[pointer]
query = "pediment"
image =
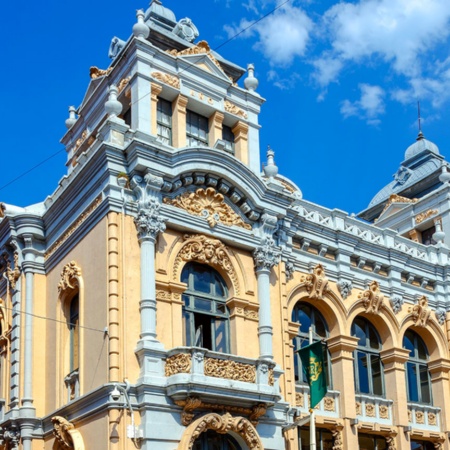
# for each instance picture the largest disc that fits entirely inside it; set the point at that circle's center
(392, 209)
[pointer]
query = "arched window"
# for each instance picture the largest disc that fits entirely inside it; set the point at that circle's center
(367, 362)
(206, 316)
(308, 316)
(210, 440)
(417, 375)
(73, 323)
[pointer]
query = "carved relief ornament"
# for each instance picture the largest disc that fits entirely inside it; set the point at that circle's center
(13, 274)
(230, 370)
(209, 204)
(394, 198)
(266, 255)
(69, 276)
(206, 250)
(179, 363)
(95, 72)
(2, 210)
(425, 215)
(372, 298)
(316, 283)
(66, 434)
(420, 312)
(171, 80)
(221, 424)
(123, 83)
(233, 109)
(149, 222)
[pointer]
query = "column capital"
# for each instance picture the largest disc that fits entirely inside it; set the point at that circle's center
(266, 255)
(149, 223)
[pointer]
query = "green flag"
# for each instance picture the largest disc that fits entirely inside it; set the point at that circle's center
(314, 368)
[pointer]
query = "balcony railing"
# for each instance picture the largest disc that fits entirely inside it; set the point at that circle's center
(211, 375)
(424, 417)
(374, 409)
(328, 407)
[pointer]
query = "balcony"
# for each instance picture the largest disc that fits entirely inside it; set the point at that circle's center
(374, 409)
(328, 407)
(424, 417)
(220, 378)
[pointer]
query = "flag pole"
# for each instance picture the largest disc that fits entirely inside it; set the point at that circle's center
(312, 424)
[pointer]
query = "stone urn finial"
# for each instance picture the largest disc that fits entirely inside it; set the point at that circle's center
(70, 121)
(113, 107)
(251, 83)
(270, 169)
(140, 29)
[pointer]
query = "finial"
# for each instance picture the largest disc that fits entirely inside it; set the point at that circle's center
(70, 122)
(419, 120)
(270, 169)
(251, 83)
(444, 177)
(113, 107)
(439, 234)
(140, 29)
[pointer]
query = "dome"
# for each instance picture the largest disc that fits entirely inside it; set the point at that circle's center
(421, 145)
(159, 12)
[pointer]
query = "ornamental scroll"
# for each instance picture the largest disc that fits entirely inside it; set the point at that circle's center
(209, 204)
(69, 277)
(222, 425)
(65, 434)
(206, 250)
(420, 312)
(316, 283)
(230, 370)
(372, 298)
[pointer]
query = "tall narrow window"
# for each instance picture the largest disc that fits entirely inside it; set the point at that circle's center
(196, 130)
(72, 379)
(368, 365)
(228, 137)
(164, 121)
(308, 316)
(206, 316)
(417, 375)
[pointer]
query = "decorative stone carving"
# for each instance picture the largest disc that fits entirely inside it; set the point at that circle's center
(206, 250)
(372, 298)
(186, 30)
(394, 198)
(148, 222)
(167, 79)
(289, 270)
(13, 274)
(441, 314)
(299, 400)
(420, 417)
(383, 410)
(420, 312)
(328, 404)
(191, 404)
(402, 175)
(95, 72)
(396, 303)
(432, 419)
(230, 370)
(224, 424)
(409, 415)
(233, 109)
(11, 436)
(80, 141)
(390, 441)
(163, 295)
(271, 377)
(370, 410)
(345, 288)
(267, 254)
(82, 218)
(61, 428)
(425, 215)
(250, 314)
(358, 409)
(257, 411)
(122, 84)
(69, 276)
(180, 363)
(209, 204)
(338, 443)
(316, 283)
(2, 210)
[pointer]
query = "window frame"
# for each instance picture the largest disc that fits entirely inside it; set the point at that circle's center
(160, 115)
(194, 309)
(193, 139)
(370, 353)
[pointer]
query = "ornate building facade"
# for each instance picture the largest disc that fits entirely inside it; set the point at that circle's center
(156, 299)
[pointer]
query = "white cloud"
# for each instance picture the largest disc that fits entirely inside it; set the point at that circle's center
(283, 83)
(396, 31)
(369, 107)
(281, 36)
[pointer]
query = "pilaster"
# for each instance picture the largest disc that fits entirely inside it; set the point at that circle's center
(240, 131)
(156, 90)
(179, 121)
(215, 127)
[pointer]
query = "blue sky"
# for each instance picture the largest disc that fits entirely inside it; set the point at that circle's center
(341, 79)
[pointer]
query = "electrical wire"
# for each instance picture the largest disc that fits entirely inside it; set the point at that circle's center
(141, 98)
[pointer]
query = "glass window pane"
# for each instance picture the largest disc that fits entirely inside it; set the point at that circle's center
(366, 442)
(219, 287)
(421, 349)
(359, 332)
(304, 314)
(408, 342)
(373, 337)
(377, 380)
(202, 281)
(381, 443)
(188, 329)
(304, 439)
(413, 389)
(220, 344)
(319, 325)
(221, 308)
(203, 305)
(425, 387)
(363, 373)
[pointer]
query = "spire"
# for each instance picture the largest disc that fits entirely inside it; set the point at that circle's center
(420, 135)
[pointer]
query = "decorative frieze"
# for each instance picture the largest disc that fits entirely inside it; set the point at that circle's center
(209, 204)
(179, 363)
(420, 417)
(425, 215)
(370, 410)
(372, 298)
(383, 411)
(316, 283)
(233, 109)
(432, 419)
(420, 312)
(230, 370)
(171, 80)
(329, 404)
(299, 400)
(69, 276)
(122, 84)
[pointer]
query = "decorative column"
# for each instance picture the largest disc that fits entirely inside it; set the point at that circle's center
(179, 121)
(240, 132)
(215, 127)
(149, 224)
(266, 255)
